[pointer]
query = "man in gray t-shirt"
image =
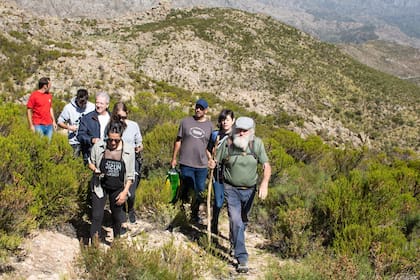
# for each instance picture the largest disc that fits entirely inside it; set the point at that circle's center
(191, 143)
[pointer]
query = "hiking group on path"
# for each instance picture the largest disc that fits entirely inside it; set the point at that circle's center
(111, 146)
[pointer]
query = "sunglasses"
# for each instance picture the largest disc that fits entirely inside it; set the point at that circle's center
(122, 117)
(110, 140)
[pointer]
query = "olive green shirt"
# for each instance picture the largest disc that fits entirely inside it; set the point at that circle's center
(240, 168)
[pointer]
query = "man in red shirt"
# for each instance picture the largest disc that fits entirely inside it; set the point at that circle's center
(39, 109)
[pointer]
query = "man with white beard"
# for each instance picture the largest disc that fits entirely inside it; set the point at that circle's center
(240, 156)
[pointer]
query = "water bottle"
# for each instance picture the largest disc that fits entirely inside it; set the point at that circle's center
(174, 182)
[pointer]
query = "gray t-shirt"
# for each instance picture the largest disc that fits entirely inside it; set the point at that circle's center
(194, 136)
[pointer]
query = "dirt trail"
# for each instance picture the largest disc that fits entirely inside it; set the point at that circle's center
(49, 255)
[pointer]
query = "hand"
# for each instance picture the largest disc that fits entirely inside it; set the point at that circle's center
(94, 140)
(263, 190)
(173, 163)
(211, 164)
(72, 128)
(121, 198)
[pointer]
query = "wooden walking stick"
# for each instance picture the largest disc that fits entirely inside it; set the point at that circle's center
(209, 189)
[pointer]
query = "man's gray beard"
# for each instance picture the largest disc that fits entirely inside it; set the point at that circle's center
(242, 142)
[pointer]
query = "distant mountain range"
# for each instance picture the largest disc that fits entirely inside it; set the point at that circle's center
(352, 21)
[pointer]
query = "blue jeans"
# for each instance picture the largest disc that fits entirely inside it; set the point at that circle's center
(239, 202)
(194, 178)
(219, 197)
(45, 130)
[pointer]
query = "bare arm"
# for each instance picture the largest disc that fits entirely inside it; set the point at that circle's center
(177, 147)
(53, 118)
(67, 126)
(29, 115)
(263, 190)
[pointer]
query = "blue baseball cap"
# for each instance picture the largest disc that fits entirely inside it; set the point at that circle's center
(203, 103)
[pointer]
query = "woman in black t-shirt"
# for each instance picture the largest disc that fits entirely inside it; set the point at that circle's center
(112, 162)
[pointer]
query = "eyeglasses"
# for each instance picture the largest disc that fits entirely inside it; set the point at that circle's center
(117, 141)
(201, 108)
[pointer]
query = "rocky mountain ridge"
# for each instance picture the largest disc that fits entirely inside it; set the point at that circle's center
(363, 23)
(329, 20)
(253, 60)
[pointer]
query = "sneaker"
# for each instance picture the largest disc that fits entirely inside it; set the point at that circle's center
(132, 216)
(195, 220)
(242, 267)
(123, 231)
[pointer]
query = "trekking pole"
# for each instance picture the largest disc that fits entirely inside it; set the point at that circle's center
(209, 188)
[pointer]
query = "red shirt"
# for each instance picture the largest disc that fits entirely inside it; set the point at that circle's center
(40, 103)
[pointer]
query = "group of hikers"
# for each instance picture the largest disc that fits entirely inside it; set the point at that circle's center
(111, 146)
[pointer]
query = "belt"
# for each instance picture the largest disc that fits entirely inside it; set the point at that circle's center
(242, 187)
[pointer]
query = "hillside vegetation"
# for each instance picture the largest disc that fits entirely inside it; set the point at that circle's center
(253, 60)
(351, 214)
(346, 212)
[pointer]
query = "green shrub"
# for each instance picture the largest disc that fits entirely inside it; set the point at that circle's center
(322, 266)
(40, 181)
(369, 208)
(159, 143)
(122, 261)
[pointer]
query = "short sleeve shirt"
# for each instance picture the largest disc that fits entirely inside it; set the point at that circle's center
(240, 168)
(40, 103)
(195, 137)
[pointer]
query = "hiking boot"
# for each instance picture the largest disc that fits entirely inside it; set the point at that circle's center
(242, 267)
(123, 232)
(197, 221)
(132, 216)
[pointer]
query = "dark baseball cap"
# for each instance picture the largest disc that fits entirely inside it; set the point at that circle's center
(203, 103)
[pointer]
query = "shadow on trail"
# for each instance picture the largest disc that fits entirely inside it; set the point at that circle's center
(198, 233)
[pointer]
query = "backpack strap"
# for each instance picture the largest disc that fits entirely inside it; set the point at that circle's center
(214, 134)
(251, 146)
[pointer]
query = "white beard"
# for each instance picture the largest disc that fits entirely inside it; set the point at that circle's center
(241, 142)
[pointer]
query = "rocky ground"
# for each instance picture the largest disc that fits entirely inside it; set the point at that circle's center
(51, 255)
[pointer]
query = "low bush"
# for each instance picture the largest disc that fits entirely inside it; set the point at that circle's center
(40, 182)
(122, 261)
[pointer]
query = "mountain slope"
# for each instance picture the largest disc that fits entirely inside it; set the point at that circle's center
(330, 20)
(397, 60)
(273, 67)
(269, 67)
(348, 22)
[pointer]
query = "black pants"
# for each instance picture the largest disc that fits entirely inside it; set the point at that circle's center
(132, 198)
(98, 205)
